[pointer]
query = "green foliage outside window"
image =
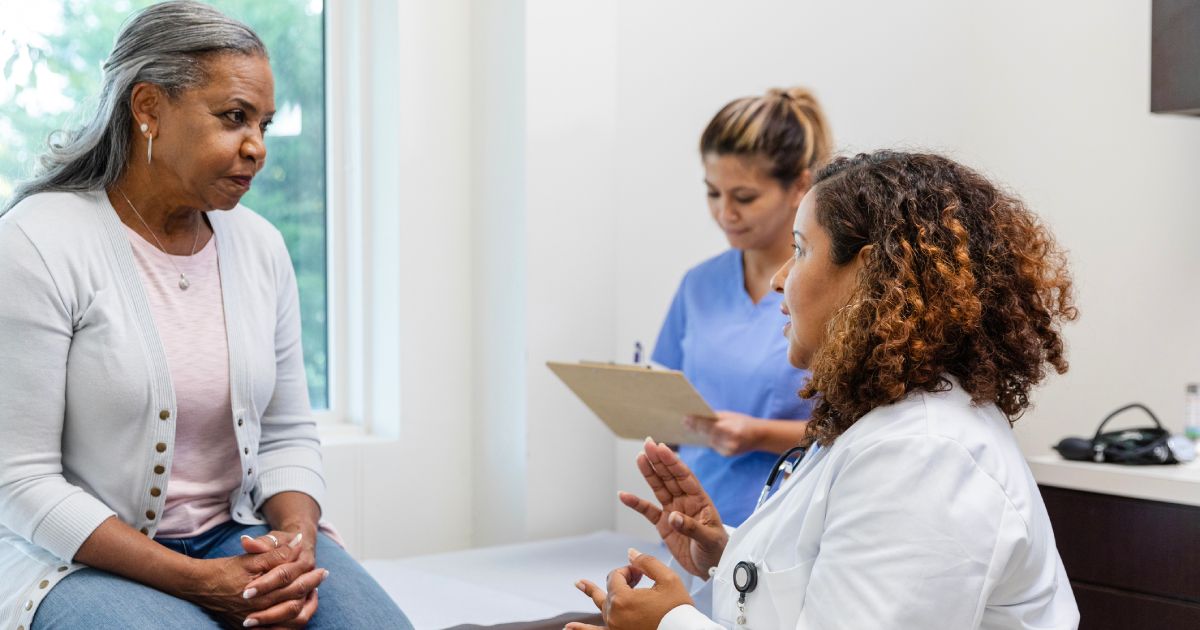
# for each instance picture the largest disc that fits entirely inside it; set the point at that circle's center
(290, 191)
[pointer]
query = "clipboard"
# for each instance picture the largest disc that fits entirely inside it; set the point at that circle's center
(635, 401)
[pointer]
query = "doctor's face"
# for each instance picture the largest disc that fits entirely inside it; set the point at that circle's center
(813, 286)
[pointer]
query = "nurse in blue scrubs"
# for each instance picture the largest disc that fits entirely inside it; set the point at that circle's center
(723, 328)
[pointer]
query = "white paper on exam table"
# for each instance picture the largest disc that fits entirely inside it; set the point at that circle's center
(508, 583)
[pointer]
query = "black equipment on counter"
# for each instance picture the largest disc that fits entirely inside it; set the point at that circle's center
(1139, 446)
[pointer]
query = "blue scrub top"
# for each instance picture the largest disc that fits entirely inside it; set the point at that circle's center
(734, 352)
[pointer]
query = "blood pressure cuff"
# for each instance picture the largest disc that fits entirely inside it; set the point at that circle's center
(1139, 446)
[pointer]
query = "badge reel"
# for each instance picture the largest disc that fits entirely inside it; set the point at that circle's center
(745, 578)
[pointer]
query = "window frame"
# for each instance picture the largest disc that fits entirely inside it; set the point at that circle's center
(348, 97)
(338, 103)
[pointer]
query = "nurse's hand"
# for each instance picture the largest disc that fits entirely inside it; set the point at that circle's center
(686, 518)
(730, 433)
(626, 608)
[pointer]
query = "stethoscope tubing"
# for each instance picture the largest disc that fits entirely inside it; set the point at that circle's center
(781, 465)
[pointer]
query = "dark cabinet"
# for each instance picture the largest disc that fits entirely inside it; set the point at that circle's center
(1175, 57)
(1133, 563)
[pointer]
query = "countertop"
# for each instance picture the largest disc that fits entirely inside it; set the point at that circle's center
(1179, 483)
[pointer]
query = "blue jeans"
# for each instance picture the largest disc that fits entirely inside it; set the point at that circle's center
(91, 598)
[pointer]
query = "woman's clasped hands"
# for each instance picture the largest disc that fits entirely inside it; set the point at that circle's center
(273, 585)
(689, 525)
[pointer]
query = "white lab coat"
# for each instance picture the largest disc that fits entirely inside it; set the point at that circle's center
(923, 515)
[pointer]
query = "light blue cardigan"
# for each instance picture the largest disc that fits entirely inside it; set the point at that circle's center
(87, 408)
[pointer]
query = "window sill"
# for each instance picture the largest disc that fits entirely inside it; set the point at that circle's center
(335, 433)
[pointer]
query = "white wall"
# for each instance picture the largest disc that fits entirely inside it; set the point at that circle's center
(407, 490)
(545, 100)
(585, 206)
(499, 271)
(570, 236)
(489, 242)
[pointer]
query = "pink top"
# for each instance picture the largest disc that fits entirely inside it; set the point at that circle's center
(206, 470)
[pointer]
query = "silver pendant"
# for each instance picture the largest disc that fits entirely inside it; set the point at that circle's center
(183, 283)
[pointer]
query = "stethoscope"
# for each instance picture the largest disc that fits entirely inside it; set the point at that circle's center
(745, 574)
(782, 465)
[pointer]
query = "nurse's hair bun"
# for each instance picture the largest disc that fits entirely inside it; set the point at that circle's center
(785, 126)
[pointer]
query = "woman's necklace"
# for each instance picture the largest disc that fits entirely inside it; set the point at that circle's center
(183, 281)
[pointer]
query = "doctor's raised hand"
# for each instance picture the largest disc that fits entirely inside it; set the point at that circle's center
(686, 518)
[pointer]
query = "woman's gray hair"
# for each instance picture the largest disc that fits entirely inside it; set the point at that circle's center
(165, 45)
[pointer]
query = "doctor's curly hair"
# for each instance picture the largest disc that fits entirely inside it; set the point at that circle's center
(961, 279)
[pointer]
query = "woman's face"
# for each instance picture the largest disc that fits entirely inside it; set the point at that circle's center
(208, 143)
(813, 286)
(749, 205)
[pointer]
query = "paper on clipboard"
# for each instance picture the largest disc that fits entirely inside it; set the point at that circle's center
(636, 402)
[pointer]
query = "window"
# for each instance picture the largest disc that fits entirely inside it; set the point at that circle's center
(51, 54)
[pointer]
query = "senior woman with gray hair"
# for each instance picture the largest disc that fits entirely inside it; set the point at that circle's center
(159, 464)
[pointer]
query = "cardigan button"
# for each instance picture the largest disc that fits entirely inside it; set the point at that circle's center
(164, 414)
(158, 470)
(239, 422)
(246, 450)
(150, 514)
(155, 492)
(145, 531)
(44, 584)
(160, 447)
(62, 569)
(29, 605)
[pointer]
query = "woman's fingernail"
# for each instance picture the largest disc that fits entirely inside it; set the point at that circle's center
(579, 585)
(248, 593)
(249, 623)
(245, 537)
(633, 554)
(325, 575)
(296, 540)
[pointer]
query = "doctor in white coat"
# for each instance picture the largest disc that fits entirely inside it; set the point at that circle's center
(927, 304)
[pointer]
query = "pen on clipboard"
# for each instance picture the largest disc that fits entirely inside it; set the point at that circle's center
(639, 355)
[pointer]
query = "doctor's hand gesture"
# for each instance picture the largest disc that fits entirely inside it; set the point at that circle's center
(686, 518)
(625, 608)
